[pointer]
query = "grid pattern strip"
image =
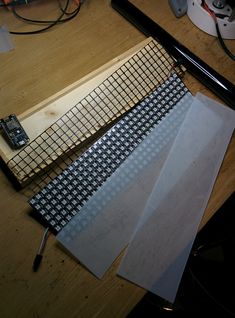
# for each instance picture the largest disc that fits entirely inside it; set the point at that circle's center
(147, 152)
(133, 81)
(63, 198)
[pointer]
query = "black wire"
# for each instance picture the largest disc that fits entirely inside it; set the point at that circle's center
(65, 12)
(72, 15)
(224, 47)
(43, 29)
(52, 23)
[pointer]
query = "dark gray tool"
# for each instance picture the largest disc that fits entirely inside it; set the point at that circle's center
(179, 7)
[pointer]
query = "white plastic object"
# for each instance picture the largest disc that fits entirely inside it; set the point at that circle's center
(201, 18)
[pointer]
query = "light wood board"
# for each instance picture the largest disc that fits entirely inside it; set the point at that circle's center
(63, 121)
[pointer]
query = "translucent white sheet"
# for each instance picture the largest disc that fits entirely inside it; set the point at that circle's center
(158, 252)
(155, 199)
(103, 227)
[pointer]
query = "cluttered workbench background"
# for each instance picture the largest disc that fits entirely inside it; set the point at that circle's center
(39, 66)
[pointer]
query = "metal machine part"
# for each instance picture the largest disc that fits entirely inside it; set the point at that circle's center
(200, 17)
(219, 4)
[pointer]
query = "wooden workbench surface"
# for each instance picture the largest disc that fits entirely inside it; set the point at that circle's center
(38, 67)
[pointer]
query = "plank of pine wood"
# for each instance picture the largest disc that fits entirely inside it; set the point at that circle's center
(65, 120)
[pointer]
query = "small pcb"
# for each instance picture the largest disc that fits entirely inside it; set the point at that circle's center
(13, 132)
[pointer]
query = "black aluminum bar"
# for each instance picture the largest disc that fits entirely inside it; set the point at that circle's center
(218, 84)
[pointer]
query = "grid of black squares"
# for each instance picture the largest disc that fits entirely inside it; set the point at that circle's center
(130, 83)
(63, 197)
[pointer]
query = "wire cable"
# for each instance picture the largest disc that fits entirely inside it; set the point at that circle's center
(78, 2)
(227, 51)
(51, 23)
(34, 21)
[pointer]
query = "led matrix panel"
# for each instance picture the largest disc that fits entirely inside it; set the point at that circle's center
(63, 197)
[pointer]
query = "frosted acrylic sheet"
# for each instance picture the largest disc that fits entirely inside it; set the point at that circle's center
(104, 225)
(158, 252)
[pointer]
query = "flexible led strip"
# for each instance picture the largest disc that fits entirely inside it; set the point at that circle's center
(64, 197)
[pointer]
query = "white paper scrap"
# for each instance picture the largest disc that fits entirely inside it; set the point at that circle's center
(5, 40)
(158, 252)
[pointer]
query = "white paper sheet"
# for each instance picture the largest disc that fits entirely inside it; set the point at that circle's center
(158, 252)
(103, 227)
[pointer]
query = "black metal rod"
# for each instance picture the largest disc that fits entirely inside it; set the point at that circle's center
(199, 69)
